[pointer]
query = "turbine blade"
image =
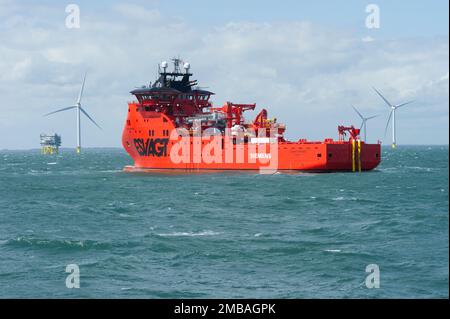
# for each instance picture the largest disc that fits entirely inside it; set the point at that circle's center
(372, 117)
(387, 123)
(403, 104)
(356, 110)
(362, 124)
(61, 110)
(82, 89)
(87, 115)
(384, 99)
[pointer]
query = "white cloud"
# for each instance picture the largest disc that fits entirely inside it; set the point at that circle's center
(134, 12)
(306, 75)
(367, 39)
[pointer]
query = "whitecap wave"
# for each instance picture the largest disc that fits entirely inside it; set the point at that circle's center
(345, 198)
(190, 234)
(419, 168)
(333, 250)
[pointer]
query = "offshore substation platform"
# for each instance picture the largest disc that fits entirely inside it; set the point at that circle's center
(50, 143)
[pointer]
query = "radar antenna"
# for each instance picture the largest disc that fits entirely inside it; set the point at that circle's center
(176, 65)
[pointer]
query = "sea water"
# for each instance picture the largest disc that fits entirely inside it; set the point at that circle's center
(214, 235)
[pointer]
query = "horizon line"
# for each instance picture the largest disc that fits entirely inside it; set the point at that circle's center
(121, 148)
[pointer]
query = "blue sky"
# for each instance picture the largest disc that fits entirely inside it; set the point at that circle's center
(400, 18)
(306, 62)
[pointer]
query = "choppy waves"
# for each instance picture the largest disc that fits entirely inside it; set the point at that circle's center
(225, 235)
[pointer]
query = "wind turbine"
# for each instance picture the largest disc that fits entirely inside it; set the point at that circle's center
(79, 110)
(364, 121)
(393, 107)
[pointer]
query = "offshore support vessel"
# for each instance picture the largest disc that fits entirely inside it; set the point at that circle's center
(172, 124)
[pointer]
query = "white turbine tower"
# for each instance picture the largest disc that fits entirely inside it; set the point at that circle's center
(364, 122)
(393, 107)
(79, 109)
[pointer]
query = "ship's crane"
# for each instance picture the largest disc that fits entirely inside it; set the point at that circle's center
(260, 119)
(234, 112)
(354, 132)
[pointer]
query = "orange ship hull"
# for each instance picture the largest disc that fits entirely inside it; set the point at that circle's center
(146, 138)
